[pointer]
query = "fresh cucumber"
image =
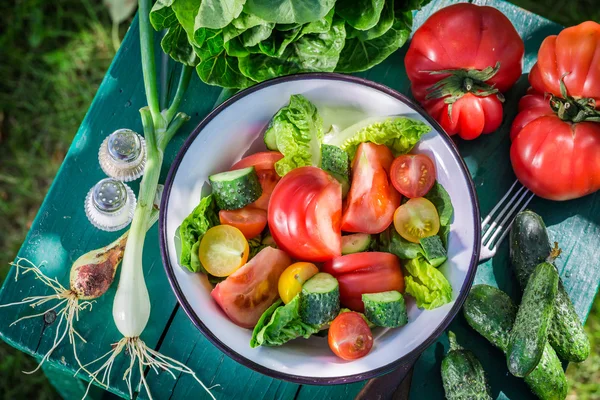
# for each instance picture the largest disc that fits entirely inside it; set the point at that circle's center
(235, 189)
(434, 250)
(529, 246)
(270, 139)
(355, 243)
(462, 374)
(320, 299)
(529, 334)
(385, 309)
(491, 313)
(335, 161)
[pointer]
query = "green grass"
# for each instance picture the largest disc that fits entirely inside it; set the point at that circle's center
(54, 56)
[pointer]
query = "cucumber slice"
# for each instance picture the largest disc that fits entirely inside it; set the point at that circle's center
(385, 309)
(335, 161)
(270, 139)
(320, 299)
(235, 189)
(434, 250)
(355, 243)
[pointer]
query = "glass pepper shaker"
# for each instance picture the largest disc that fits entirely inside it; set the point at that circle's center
(122, 155)
(110, 205)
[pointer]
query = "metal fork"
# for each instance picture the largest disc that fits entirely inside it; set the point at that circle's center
(497, 224)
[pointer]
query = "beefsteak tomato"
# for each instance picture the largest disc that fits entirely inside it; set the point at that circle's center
(372, 199)
(246, 294)
(554, 157)
(459, 62)
(359, 273)
(573, 54)
(304, 214)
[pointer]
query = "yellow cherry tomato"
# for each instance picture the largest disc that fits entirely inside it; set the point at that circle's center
(292, 279)
(223, 249)
(416, 219)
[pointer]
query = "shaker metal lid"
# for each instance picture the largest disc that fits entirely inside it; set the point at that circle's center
(122, 155)
(110, 205)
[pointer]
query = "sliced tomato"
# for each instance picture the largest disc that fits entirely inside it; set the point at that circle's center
(251, 221)
(359, 273)
(413, 175)
(349, 336)
(250, 290)
(304, 214)
(417, 219)
(264, 164)
(372, 200)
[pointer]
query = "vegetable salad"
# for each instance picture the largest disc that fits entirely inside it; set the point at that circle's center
(325, 233)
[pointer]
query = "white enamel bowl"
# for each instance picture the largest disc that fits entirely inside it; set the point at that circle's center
(232, 131)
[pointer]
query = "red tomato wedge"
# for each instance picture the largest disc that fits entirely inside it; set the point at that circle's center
(264, 164)
(372, 200)
(349, 336)
(250, 290)
(251, 221)
(359, 273)
(304, 214)
(413, 175)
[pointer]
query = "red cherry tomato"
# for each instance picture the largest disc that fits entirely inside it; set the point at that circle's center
(413, 175)
(372, 200)
(349, 336)
(457, 38)
(304, 214)
(264, 164)
(251, 221)
(359, 273)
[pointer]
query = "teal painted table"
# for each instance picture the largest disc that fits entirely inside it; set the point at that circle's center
(60, 233)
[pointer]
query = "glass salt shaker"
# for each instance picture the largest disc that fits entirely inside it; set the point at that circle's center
(110, 205)
(122, 155)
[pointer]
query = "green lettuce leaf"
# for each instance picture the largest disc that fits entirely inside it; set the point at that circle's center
(298, 132)
(175, 42)
(280, 324)
(441, 200)
(217, 14)
(400, 134)
(255, 245)
(427, 284)
(191, 230)
(385, 23)
(361, 14)
(289, 11)
(390, 241)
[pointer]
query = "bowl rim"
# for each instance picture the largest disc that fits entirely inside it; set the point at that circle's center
(408, 358)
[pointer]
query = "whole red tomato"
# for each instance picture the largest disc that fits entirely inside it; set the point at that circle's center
(575, 55)
(358, 273)
(459, 62)
(304, 214)
(556, 159)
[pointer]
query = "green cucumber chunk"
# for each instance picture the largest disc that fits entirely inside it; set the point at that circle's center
(385, 309)
(529, 246)
(235, 189)
(320, 299)
(335, 161)
(434, 250)
(355, 243)
(530, 330)
(491, 313)
(463, 376)
(270, 139)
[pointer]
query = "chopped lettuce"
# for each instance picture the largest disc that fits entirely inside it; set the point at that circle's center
(280, 324)
(400, 134)
(298, 132)
(441, 200)
(427, 284)
(255, 245)
(191, 230)
(390, 241)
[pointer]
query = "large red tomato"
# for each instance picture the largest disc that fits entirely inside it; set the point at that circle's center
(264, 164)
(575, 55)
(304, 214)
(459, 62)
(359, 273)
(248, 292)
(556, 159)
(372, 199)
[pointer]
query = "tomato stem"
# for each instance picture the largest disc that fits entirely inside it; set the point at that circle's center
(462, 81)
(571, 109)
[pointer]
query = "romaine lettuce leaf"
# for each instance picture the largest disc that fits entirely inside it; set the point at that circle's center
(191, 230)
(427, 284)
(400, 134)
(390, 241)
(441, 200)
(280, 324)
(298, 132)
